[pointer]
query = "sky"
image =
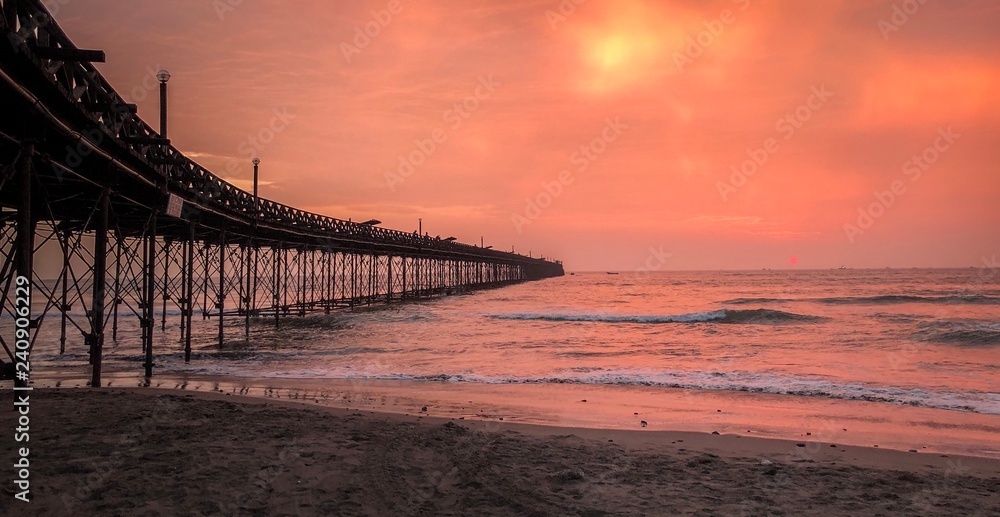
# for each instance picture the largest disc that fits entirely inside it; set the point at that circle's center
(659, 135)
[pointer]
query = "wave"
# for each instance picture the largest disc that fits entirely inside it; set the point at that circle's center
(754, 382)
(962, 333)
(737, 381)
(749, 301)
(887, 299)
(898, 298)
(759, 316)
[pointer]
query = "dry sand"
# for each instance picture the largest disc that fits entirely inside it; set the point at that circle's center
(163, 452)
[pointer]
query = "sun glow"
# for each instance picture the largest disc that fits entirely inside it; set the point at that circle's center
(619, 60)
(612, 52)
(626, 48)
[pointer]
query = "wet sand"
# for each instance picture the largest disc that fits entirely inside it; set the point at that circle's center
(809, 419)
(167, 452)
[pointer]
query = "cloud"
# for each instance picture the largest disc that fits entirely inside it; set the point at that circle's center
(687, 126)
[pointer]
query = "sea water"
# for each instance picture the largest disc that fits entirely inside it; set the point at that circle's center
(881, 339)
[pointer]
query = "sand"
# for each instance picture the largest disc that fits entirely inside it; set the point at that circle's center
(165, 452)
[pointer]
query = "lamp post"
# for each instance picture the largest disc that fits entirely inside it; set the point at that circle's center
(251, 296)
(256, 165)
(163, 76)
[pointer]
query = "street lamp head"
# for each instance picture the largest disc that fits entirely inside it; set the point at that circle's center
(163, 76)
(256, 162)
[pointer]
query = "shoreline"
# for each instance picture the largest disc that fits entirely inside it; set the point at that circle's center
(602, 407)
(166, 451)
(777, 450)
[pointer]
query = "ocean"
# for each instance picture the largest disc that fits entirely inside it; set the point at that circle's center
(833, 344)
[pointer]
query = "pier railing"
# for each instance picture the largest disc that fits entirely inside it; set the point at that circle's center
(81, 172)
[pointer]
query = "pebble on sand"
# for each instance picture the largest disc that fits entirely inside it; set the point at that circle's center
(643, 423)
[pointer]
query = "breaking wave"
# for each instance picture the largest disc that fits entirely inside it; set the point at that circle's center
(887, 299)
(758, 316)
(734, 381)
(962, 333)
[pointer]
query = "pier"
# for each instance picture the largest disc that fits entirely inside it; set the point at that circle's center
(160, 235)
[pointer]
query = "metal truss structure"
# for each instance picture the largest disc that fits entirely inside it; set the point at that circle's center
(145, 232)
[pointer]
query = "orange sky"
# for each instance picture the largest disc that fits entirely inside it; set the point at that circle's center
(665, 97)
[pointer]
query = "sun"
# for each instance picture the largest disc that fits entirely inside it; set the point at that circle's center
(625, 47)
(612, 53)
(617, 60)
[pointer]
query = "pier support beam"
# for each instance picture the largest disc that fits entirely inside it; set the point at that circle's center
(100, 274)
(277, 286)
(221, 303)
(150, 294)
(64, 237)
(166, 283)
(246, 301)
(403, 290)
(24, 241)
(189, 297)
(116, 292)
(388, 279)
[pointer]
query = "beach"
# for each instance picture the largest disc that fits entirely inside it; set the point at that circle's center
(499, 258)
(673, 393)
(174, 452)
